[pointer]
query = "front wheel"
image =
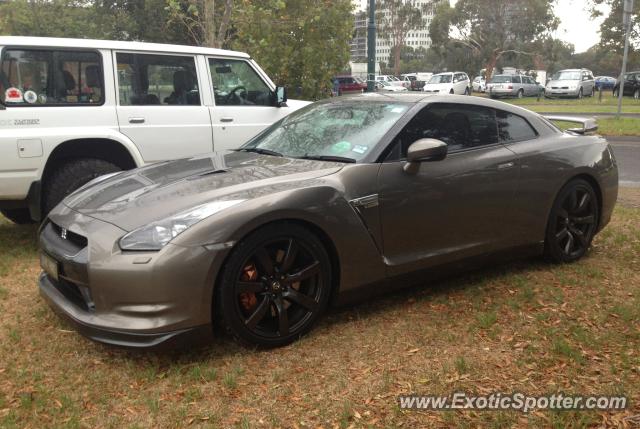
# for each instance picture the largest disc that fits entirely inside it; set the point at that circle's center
(616, 91)
(467, 91)
(580, 94)
(636, 94)
(572, 222)
(275, 285)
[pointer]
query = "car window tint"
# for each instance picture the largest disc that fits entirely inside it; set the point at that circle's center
(513, 128)
(51, 77)
(460, 126)
(147, 80)
(236, 83)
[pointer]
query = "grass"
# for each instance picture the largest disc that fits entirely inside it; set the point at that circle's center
(525, 326)
(608, 104)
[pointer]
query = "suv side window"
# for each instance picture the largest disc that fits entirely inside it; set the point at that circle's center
(513, 128)
(149, 80)
(51, 77)
(460, 126)
(236, 83)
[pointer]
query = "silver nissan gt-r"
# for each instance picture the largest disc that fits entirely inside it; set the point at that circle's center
(343, 198)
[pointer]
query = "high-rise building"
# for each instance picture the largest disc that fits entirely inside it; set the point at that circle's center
(416, 38)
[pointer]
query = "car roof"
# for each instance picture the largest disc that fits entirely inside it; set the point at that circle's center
(113, 44)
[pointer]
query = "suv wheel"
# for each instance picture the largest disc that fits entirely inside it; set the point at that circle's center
(636, 94)
(71, 175)
(580, 94)
(520, 93)
(19, 216)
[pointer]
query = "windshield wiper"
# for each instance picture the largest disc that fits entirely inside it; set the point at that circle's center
(259, 150)
(329, 158)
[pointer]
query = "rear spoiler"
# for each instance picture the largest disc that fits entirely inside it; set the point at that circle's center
(589, 125)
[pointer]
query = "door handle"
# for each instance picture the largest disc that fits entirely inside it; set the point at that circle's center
(136, 120)
(505, 165)
(227, 119)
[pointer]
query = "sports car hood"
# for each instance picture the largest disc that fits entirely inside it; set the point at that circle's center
(135, 198)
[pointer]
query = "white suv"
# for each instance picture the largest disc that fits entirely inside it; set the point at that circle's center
(73, 109)
(448, 83)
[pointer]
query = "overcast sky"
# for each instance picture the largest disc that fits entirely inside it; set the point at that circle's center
(576, 25)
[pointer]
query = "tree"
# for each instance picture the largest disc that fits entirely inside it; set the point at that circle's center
(395, 19)
(491, 29)
(611, 29)
(299, 43)
(206, 21)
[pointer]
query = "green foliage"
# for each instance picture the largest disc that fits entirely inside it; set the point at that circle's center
(299, 43)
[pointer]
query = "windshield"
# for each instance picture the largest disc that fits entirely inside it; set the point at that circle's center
(566, 75)
(440, 78)
(348, 128)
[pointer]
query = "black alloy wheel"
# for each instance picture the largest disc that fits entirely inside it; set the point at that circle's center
(275, 285)
(572, 222)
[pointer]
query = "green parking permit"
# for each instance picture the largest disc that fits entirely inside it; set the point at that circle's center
(341, 147)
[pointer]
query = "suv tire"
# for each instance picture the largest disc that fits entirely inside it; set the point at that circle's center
(71, 175)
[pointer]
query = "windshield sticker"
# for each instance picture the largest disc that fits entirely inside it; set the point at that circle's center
(360, 149)
(341, 147)
(30, 97)
(13, 95)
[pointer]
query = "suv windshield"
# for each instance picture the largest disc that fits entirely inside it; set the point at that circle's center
(347, 129)
(566, 75)
(440, 78)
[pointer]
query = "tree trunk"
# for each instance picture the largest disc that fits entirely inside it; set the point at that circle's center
(491, 64)
(396, 60)
(208, 24)
(224, 23)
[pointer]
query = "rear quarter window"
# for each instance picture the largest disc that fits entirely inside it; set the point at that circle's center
(514, 128)
(51, 77)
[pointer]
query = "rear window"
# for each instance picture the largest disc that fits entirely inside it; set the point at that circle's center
(30, 77)
(501, 79)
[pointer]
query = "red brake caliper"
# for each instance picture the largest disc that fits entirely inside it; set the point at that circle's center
(248, 300)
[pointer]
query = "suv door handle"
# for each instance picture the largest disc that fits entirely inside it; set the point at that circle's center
(227, 119)
(136, 120)
(506, 165)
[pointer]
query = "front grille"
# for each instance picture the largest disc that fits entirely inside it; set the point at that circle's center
(76, 239)
(74, 293)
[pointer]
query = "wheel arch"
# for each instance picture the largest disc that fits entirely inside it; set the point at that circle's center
(594, 184)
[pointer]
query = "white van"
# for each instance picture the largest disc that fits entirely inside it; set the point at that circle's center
(74, 109)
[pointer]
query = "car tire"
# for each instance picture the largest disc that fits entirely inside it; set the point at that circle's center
(580, 94)
(520, 93)
(70, 176)
(572, 222)
(616, 91)
(636, 94)
(256, 300)
(467, 92)
(451, 91)
(18, 216)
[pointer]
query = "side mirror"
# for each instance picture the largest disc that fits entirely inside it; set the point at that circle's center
(280, 96)
(424, 150)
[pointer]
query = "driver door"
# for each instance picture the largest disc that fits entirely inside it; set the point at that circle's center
(244, 104)
(453, 208)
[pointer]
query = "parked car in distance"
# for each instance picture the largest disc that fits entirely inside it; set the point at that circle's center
(332, 203)
(570, 83)
(449, 83)
(75, 109)
(479, 84)
(388, 87)
(512, 85)
(389, 79)
(605, 82)
(416, 80)
(349, 84)
(631, 85)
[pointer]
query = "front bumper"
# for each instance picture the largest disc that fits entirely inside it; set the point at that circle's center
(561, 92)
(134, 299)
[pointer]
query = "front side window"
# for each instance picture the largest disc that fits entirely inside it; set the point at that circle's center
(236, 83)
(460, 126)
(514, 128)
(51, 77)
(148, 80)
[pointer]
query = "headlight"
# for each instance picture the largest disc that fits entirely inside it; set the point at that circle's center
(156, 235)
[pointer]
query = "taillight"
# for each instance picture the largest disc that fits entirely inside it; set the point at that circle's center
(510, 87)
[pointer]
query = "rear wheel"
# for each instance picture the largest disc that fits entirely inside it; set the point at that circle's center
(19, 216)
(467, 91)
(572, 222)
(70, 176)
(451, 92)
(275, 285)
(520, 93)
(616, 91)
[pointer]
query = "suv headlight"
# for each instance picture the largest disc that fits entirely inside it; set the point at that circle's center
(158, 234)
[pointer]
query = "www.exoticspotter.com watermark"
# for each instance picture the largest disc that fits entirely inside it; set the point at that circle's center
(512, 401)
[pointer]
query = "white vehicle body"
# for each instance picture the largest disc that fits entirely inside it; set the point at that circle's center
(386, 86)
(448, 83)
(479, 84)
(128, 103)
(389, 79)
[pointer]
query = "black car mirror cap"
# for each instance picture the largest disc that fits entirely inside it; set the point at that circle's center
(280, 94)
(424, 150)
